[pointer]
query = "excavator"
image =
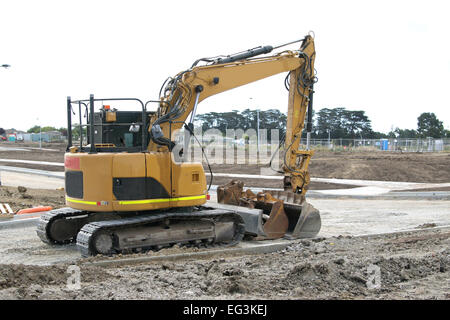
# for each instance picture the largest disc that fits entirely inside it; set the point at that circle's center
(125, 192)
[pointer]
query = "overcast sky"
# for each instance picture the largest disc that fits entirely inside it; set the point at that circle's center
(388, 58)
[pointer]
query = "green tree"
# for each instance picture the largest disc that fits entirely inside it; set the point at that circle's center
(356, 124)
(63, 131)
(447, 133)
(34, 129)
(37, 129)
(428, 125)
(273, 119)
(247, 119)
(207, 120)
(341, 123)
(403, 133)
(76, 132)
(330, 121)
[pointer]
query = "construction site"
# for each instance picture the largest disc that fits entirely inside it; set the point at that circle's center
(389, 210)
(207, 191)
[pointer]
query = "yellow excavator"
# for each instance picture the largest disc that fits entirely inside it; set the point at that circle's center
(126, 193)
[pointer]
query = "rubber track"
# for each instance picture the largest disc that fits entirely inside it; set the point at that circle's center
(46, 220)
(88, 232)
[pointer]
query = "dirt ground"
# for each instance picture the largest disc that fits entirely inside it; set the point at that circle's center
(410, 265)
(382, 166)
(398, 266)
(31, 198)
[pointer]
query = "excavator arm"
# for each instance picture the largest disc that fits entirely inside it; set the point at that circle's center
(186, 90)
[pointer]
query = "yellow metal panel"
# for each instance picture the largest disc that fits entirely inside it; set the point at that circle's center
(99, 170)
(158, 168)
(188, 179)
(111, 116)
(97, 181)
(128, 165)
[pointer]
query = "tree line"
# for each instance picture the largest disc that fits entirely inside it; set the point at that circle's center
(37, 129)
(328, 123)
(247, 119)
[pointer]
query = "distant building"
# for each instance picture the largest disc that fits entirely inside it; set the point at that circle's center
(11, 137)
(49, 136)
(14, 135)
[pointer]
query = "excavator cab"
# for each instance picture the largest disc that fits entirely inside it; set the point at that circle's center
(108, 129)
(118, 128)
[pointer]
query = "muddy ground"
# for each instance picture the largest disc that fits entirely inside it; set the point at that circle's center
(27, 198)
(382, 166)
(410, 266)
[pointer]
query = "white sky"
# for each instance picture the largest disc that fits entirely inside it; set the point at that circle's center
(388, 58)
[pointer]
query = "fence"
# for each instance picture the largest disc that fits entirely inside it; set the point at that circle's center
(49, 136)
(400, 145)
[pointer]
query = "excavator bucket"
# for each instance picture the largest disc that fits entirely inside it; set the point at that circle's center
(284, 213)
(304, 219)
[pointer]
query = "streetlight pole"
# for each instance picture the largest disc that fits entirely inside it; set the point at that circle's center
(40, 134)
(6, 66)
(329, 141)
(362, 141)
(257, 132)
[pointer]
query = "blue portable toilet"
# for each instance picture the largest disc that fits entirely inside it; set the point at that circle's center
(384, 144)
